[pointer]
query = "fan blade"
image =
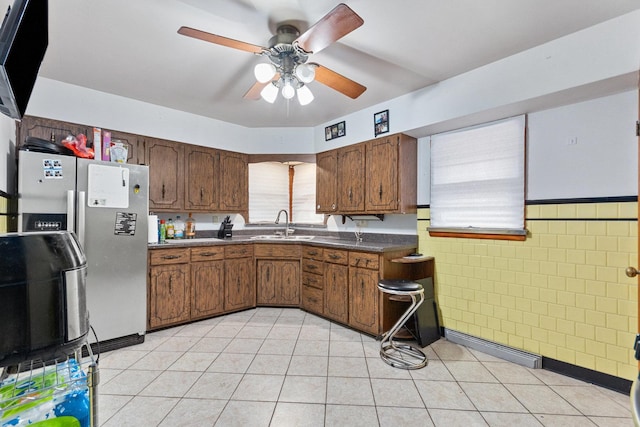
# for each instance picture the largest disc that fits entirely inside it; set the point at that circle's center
(254, 92)
(223, 41)
(331, 28)
(338, 82)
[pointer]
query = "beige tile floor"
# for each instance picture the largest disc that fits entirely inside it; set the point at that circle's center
(285, 367)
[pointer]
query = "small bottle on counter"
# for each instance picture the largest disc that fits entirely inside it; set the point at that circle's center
(178, 227)
(190, 227)
(170, 229)
(162, 231)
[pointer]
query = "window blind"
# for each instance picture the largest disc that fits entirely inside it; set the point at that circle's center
(478, 178)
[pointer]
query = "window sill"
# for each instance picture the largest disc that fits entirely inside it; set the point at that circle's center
(479, 233)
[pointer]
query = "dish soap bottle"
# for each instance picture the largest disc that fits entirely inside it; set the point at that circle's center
(170, 229)
(178, 226)
(162, 231)
(190, 227)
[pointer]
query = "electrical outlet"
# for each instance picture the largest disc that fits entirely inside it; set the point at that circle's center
(573, 140)
(361, 223)
(215, 218)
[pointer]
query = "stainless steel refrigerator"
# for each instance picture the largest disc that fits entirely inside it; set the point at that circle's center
(106, 205)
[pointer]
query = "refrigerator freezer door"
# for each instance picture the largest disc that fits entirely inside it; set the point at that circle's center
(43, 182)
(115, 243)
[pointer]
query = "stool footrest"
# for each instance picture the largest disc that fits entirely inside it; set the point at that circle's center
(393, 354)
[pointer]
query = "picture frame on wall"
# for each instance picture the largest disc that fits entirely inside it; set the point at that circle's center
(381, 122)
(335, 131)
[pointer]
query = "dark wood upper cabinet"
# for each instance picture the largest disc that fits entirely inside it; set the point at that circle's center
(49, 129)
(202, 171)
(234, 182)
(326, 182)
(135, 151)
(350, 177)
(166, 174)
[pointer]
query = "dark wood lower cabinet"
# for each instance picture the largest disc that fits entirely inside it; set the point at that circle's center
(338, 284)
(240, 287)
(278, 282)
(336, 292)
(363, 300)
(169, 295)
(207, 286)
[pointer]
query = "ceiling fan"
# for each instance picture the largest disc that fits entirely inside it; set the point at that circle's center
(288, 70)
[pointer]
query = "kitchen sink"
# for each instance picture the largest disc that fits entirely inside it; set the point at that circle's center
(280, 237)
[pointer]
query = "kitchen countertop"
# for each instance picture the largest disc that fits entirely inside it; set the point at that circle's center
(371, 243)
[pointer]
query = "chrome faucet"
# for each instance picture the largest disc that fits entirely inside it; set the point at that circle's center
(286, 217)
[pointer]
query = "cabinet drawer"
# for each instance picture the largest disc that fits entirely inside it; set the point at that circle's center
(311, 266)
(207, 253)
(312, 299)
(312, 252)
(364, 260)
(268, 250)
(336, 256)
(169, 256)
(313, 280)
(238, 251)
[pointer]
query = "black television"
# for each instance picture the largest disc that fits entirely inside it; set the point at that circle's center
(24, 37)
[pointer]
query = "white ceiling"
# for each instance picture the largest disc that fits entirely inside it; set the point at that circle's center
(131, 48)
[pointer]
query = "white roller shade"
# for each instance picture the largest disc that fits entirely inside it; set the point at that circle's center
(478, 177)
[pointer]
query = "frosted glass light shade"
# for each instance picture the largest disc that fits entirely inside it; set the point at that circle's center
(264, 72)
(305, 73)
(269, 93)
(304, 95)
(288, 91)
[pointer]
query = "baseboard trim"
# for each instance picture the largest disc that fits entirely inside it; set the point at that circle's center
(114, 344)
(588, 375)
(501, 351)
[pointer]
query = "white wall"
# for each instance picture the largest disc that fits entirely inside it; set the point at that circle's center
(62, 101)
(602, 163)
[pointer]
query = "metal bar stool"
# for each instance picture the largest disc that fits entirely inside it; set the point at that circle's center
(398, 355)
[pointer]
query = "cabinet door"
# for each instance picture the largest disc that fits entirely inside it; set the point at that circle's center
(326, 182)
(48, 128)
(166, 177)
(169, 295)
(267, 282)
(234, 178)
(207, 288)
(351, 176)
(289, 282)
(203, 178)
(382, 174)
(363, 300)
(278, 282)
(135, 153)
(240, 288)
(336, 292)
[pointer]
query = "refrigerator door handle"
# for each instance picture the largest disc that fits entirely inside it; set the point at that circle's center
(71, 210)
(80, 231)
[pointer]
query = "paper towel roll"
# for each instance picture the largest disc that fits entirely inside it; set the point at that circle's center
(153, 229)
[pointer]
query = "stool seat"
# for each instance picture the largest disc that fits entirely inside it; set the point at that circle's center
(399, 285)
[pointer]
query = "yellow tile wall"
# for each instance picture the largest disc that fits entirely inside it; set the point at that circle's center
(561, 293)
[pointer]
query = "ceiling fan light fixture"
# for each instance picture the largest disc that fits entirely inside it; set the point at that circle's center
(287, 90)
(269, 93)
(264, 72)
(305, 73)
(304, 95)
